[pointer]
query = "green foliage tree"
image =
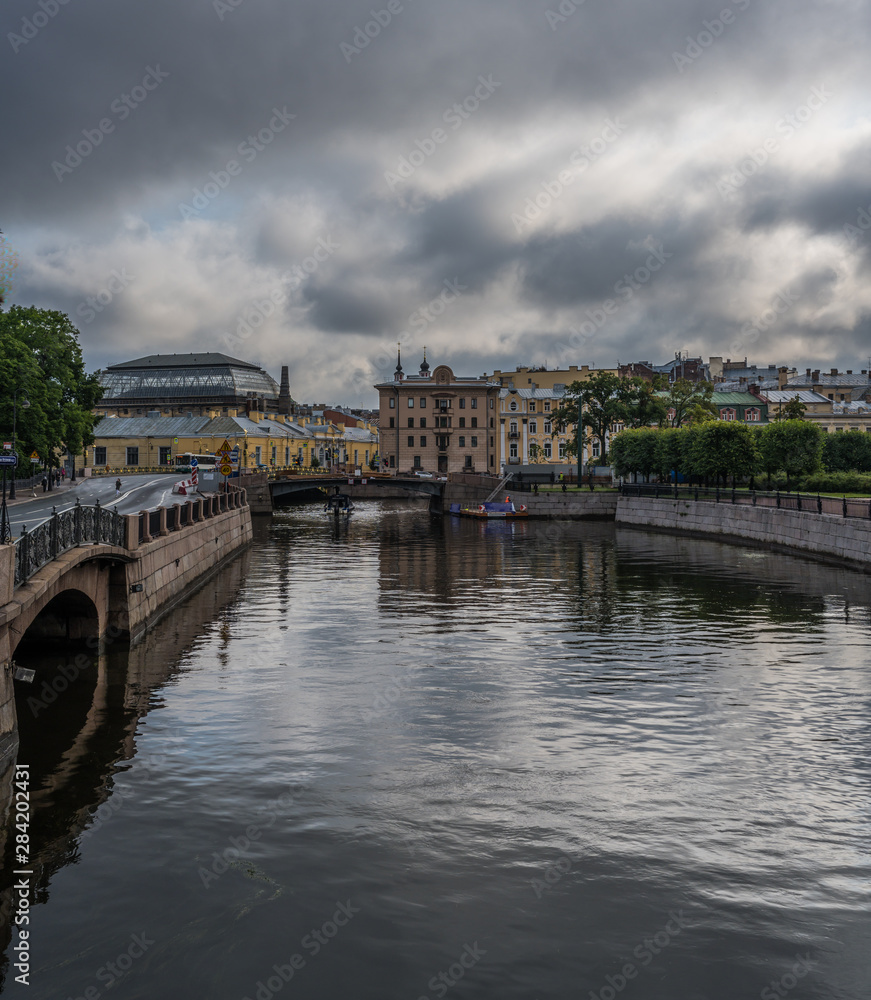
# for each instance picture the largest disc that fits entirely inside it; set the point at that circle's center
(847, 451)
(642, 404)
(41, 358)
(670, 452)
(794, 409)
(725, 448)
(634, 450)
(795, 446)
(685, 398)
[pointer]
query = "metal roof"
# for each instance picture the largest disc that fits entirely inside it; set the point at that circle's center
(737, 398)
(804, 396)
(206, 359)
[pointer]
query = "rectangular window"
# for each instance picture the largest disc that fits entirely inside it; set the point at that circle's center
(133, 456)
(443, 403)
(411, 421)
(99, 456)
(392, 421)
(513, 451)
(392, 402)
(491, 440)
(533, 427)
(423, 421)
(258, 459)
(417, 461)
(547, 406)
(410, 440)
(462, 404)
(474, 421)
(423, 402)
(462, 441)
(532, 406)
(474, 441)
(491, 402)
(547, 427)
(164, 455)
(562, 449)
(547, 449)
(468, 461)
(274, 454)
(462, 421)
(423, 441)
(411, 402)
(392, 461)
(475, 402)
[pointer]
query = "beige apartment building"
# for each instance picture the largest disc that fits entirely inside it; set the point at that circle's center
(438, 422)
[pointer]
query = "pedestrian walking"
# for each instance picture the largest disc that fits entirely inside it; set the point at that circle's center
(117, 488)
(44, 484)
(63, 474)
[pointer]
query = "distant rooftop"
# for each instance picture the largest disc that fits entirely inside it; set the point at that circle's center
(204, 360)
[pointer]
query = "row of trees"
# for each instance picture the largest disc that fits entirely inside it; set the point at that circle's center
(41, 362)
(720, 449)
(605, 399)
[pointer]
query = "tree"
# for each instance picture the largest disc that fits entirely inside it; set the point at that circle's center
(847, 451)
(725, 448)
(642, 404)
(635, 451)
(795, 446)
(685, 397)
(670, 452)
(794, 409)
(40, 356)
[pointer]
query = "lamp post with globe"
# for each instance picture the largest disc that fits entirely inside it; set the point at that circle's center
(25, 404)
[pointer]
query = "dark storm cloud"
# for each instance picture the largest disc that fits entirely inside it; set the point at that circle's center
(316, 104)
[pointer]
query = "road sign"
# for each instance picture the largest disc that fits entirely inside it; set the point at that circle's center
(226, 469)
(225, 446)
(7, 445)
(7, 460)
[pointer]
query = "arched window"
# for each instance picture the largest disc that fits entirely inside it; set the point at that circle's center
(512, 427)
(728, 413)
(752, 415)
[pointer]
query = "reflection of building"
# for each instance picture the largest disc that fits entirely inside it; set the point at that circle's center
(438, 422)
(190, 384)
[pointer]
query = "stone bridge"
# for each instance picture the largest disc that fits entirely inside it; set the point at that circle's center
(88, 572)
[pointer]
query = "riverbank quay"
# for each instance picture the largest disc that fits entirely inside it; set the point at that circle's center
(840, 533)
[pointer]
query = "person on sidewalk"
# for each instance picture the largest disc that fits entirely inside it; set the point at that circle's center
(44, 484)
(117, 487)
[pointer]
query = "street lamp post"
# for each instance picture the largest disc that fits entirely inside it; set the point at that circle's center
(25, 403)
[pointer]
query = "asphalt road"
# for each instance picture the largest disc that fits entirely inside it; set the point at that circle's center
(137, 493)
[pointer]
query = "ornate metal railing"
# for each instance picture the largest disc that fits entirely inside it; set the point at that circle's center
(34, 549)
(812, 503)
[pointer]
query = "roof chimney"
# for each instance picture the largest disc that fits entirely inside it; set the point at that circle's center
(834, 371)
(284, 401)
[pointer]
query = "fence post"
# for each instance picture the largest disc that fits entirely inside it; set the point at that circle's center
(77, 522)
(754, 498)
(777, 495)
(820, 504)
(97, 521)
(696, 494)
(733, 494)
(717, 493)
(53, 535)
(845, 506)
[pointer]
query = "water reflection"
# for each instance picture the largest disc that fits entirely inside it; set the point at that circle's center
(539, 739)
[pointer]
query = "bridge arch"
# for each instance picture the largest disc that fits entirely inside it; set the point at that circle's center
(70, 616)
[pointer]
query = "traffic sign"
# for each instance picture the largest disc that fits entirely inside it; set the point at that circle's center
(7, 445)
(226, 469)
(8, 460)
(225, 446)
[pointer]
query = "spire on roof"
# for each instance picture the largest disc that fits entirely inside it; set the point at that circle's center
(424, 366)
(397, 375)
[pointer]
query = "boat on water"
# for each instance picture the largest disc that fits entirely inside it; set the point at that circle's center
(338, 504)
(489, 510)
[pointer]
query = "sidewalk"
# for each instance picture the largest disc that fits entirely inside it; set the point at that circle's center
(24, 494)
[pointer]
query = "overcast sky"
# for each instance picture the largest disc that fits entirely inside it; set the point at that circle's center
(521, 181)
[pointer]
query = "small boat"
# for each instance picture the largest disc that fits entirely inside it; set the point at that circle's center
(489, 510)
(338, 504)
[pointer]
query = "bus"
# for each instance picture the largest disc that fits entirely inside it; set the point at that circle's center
(204, 462)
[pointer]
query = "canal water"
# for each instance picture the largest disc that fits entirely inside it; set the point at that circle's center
(408, 757)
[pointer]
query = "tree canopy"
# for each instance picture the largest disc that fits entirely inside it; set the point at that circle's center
(40, 357)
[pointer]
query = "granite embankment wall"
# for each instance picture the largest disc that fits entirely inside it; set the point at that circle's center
(579, 504)
(844, 540)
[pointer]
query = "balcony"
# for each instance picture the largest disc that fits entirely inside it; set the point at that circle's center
(514, 434)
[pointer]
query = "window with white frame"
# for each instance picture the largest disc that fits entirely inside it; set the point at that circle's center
(513, 405)
(728, 413)
(548, 450)
(548, 427)
(533, 427)
(752, 415)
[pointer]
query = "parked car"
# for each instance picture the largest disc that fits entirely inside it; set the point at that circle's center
(424, 475)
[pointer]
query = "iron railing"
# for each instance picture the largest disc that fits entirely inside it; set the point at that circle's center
(811, 503)
(34, 549)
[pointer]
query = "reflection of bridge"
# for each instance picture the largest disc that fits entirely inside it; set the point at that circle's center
(89, 572)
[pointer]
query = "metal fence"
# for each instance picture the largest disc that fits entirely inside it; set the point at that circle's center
(34, 549)
(811, 503)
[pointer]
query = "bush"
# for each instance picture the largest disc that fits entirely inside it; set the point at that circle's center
(838, 482)
(847, 451)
